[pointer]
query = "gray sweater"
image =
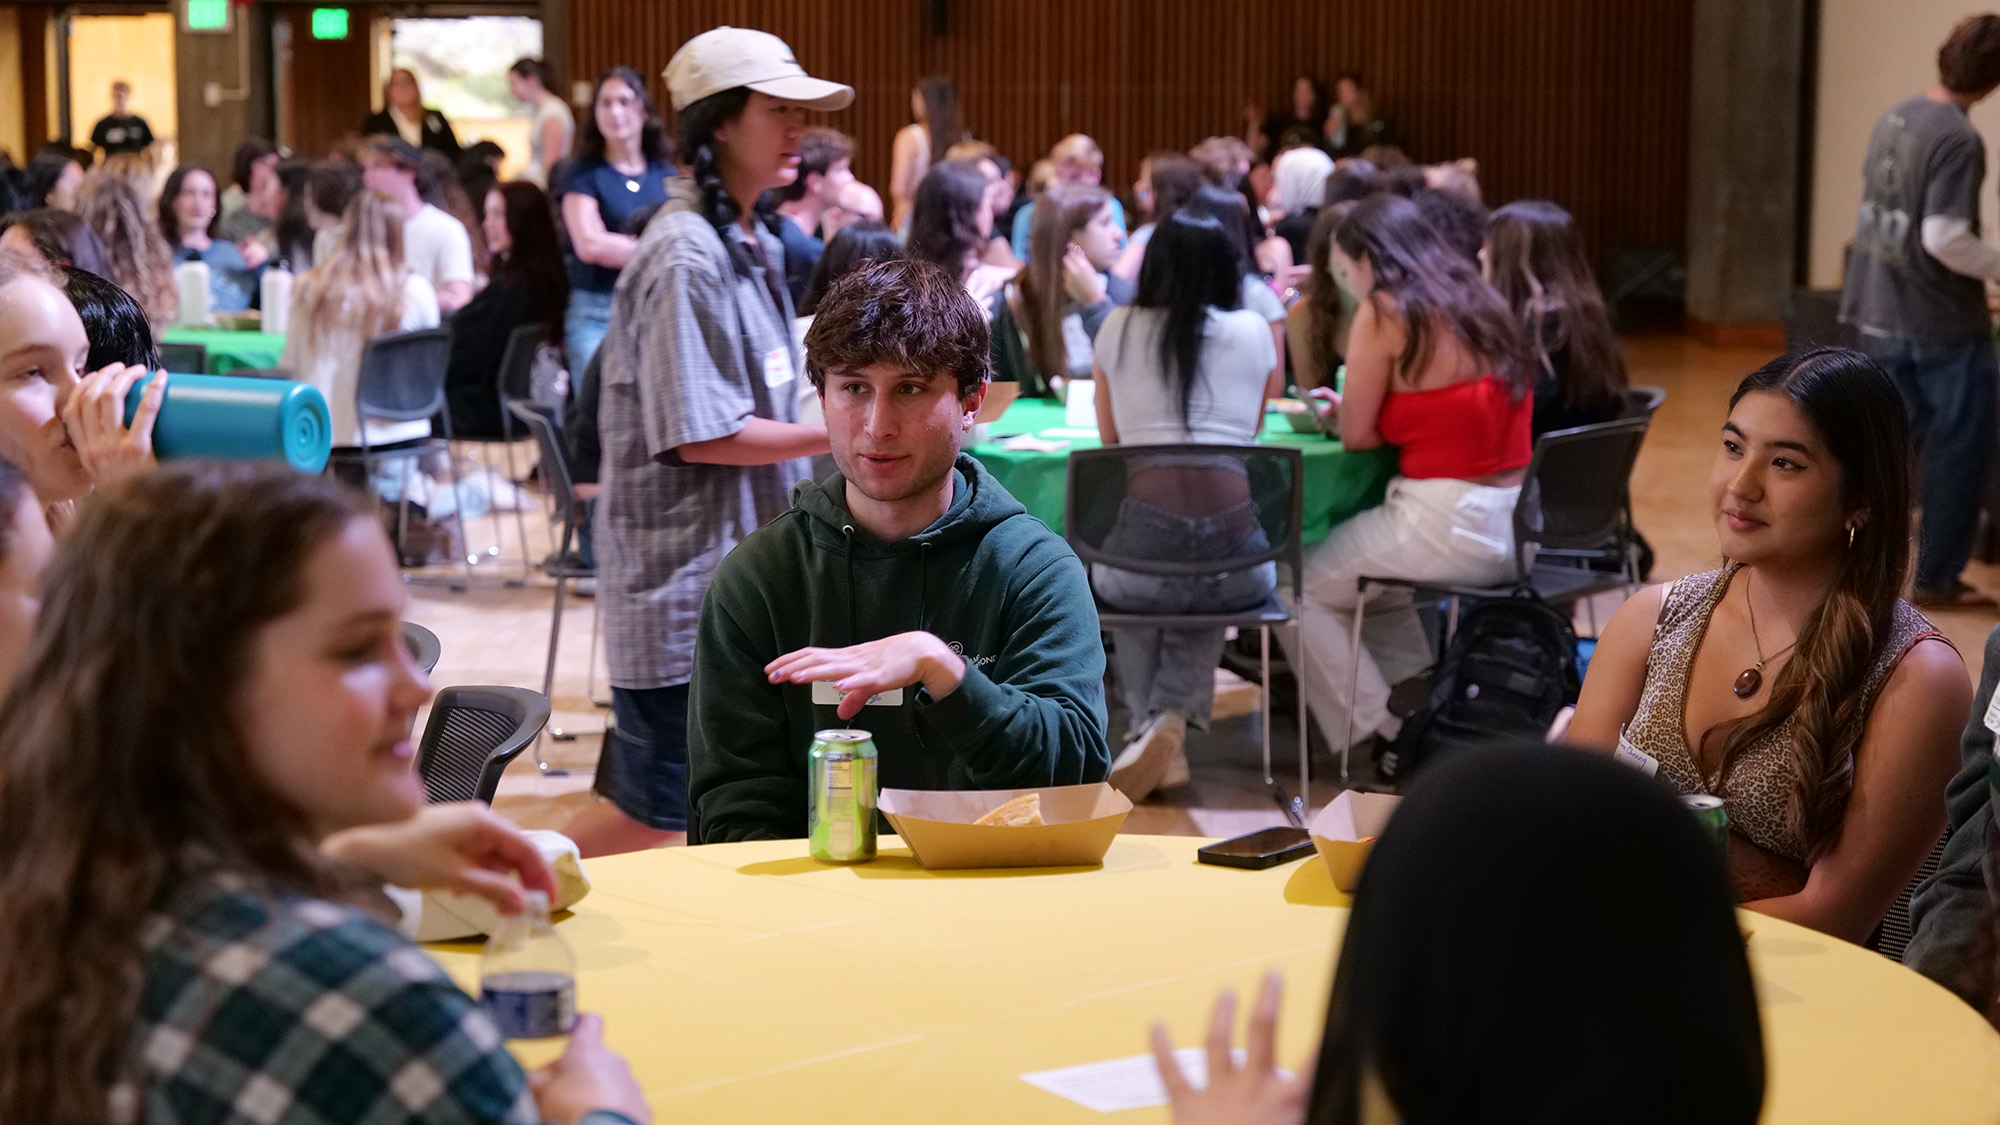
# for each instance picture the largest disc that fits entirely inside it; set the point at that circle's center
(1949, 907)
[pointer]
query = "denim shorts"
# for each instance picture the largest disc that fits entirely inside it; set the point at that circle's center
(643, 767)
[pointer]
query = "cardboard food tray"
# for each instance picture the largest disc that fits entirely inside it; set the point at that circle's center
(1341, 827)
(937, 825)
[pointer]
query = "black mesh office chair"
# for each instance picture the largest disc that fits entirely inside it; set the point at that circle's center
(472, 734)
(402, 380)
(424, 646)
(185, 359)
(1276, 478)
(569, 509)
(1643, 402)
(1573, 510)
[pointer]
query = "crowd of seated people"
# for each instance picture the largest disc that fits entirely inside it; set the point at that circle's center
(780, 388)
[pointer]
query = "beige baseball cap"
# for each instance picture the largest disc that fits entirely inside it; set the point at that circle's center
(728, 57)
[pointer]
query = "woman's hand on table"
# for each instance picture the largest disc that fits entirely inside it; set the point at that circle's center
(94, 418)
(1252, 1094)
(463, 847)
(588, 1077)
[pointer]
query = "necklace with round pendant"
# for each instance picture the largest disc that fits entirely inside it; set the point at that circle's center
(1751, 679)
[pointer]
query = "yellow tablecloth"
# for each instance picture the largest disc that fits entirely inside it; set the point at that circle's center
(747, 983)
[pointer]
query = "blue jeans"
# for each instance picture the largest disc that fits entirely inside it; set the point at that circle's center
(1949, 389)
(643, 766)
(584, 326)
(1160, 670)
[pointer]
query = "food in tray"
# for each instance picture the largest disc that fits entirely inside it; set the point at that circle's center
(1021, 812)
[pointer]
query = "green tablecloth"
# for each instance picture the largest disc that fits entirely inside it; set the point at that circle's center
(1337, 485)
(229, 351)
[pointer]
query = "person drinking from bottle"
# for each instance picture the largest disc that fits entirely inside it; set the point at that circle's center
(1795, 683)
(207, 751)
(907, 595)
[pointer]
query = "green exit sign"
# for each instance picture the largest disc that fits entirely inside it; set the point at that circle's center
(208, 15)
(329, 23)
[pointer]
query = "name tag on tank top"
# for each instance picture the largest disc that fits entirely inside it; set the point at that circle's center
(1630, 755)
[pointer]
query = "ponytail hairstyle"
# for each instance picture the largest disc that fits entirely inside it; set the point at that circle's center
(1432, 288)
(1062, 211)
(1856, 412)
(1192, 265)
(698, 124)
(1536, 260)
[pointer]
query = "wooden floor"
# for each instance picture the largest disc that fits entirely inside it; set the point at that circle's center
(497, 634)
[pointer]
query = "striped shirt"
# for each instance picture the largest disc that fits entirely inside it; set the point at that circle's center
(700, 343)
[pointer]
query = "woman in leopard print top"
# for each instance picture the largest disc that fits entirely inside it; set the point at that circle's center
(1794, 683)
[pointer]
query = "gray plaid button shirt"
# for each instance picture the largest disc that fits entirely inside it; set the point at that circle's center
(696, 348)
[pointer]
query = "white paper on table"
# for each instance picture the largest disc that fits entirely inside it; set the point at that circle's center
(1080, 404)
(1128, 1083)
(1029, 443)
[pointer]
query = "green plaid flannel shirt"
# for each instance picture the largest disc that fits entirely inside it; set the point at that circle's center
(259, 1009)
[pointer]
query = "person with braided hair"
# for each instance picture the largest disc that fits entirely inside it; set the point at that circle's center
(1795, 683)
(698, 415)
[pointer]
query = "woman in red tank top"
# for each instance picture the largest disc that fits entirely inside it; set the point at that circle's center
(1436, 366)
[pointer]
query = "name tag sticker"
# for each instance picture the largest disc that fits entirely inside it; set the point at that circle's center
(1993, 714)
(1630, 755)
(777, 368)
(824, 692)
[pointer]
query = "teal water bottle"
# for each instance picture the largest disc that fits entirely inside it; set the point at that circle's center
(232, 418)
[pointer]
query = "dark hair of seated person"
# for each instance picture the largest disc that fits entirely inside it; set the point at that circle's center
(909, 314)
(62, 238)
(856, 243)
(1541, 934)
(1461, 222)
(113, 322)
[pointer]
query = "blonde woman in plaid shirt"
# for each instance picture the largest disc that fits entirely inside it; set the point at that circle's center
(205, 761)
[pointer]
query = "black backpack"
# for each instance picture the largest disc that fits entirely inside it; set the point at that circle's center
(1509, 670)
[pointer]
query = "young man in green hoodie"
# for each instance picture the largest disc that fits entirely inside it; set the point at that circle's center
(960, 629)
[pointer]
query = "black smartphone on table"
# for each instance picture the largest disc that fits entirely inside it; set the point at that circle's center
(1258, 850)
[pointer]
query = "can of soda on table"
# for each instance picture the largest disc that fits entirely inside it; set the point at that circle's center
(842, 813)
(1714, 818)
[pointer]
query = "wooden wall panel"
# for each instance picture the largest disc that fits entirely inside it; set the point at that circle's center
(1579, 101)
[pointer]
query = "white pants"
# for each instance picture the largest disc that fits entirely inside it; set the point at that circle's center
(1442, 530)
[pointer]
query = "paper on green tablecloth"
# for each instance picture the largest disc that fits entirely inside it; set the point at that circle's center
(1338, 483)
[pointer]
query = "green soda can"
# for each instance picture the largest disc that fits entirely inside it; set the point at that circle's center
(1713, 817)
(842, 813)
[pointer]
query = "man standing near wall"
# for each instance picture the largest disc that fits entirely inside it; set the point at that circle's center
(1914, 292)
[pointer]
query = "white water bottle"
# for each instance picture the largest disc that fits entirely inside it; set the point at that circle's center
(191, 279)
(274, 296)
(527, 976)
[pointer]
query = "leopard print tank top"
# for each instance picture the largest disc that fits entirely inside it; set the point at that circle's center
(1757, 792)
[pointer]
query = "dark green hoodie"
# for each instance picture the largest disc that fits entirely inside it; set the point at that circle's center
(990, 580)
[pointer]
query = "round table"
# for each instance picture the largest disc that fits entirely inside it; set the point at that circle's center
(747, 982)
(1338, 483)
(230, 351)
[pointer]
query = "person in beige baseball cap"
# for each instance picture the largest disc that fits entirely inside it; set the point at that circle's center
(698, 409)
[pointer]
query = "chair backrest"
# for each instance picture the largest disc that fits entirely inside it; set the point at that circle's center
(517, 364)
(555, 459)
(1096, 494)
(424, 646)
(1574, 496)
(1642, 401)
(186, 359)
(402, 375)
(472, 734)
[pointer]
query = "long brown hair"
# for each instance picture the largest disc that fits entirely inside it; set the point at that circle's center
(1431, 287)
(1536, 260)
(941, 122)
(142, 263)
(1062, 211)
(122, 767)
(1856, 411)
(360, 288)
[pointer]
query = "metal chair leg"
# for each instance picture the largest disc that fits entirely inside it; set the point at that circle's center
(1264, 684)
(590, 683)
(1305, 739)
(520, 521)
(458, 507)
(1353, 674)
(549, 680)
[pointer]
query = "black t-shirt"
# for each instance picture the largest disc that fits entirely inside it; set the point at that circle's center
(1925, 159)
(802, 253)
(121, 134)
(618, 197)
